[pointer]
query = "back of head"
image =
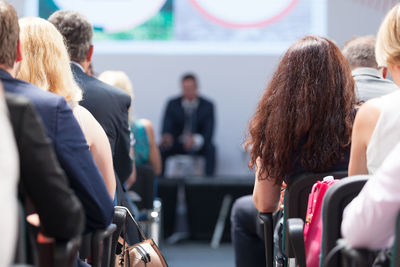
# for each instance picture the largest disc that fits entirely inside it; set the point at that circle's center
(9, 34)
(305, 114)
(388, 41)
(77, 31)
(46, 62)
(360, 52)
(118, 79)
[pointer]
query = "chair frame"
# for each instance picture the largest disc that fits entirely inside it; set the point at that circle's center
(296, 197)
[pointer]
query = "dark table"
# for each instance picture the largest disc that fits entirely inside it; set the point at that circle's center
(204, 200)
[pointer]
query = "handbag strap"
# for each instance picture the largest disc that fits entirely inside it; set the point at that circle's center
(134, 221)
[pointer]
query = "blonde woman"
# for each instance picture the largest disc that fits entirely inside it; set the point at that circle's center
(145, 148)
(377, 125)
(46, 64)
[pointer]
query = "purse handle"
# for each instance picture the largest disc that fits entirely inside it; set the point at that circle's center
(134, 221)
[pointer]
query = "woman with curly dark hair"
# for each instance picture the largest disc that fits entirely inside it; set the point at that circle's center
(303, 123)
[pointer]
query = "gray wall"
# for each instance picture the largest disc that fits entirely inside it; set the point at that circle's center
(233, 82)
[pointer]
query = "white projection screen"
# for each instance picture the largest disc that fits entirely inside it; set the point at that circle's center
(194, 26)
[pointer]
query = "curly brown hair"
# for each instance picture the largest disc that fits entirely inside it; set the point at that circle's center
(306, 113)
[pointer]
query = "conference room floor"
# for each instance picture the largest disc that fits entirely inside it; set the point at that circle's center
(198, 254)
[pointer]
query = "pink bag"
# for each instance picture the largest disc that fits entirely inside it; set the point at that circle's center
(313, 224)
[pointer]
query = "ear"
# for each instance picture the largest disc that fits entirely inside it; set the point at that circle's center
(384, 72)
(19, 53)
(89, 54)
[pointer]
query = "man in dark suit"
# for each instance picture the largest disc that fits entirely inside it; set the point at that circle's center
(42, 180)
(188, 125)
(61, 126)
(108, 104)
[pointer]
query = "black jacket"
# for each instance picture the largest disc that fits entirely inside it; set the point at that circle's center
(109, 105)
(41, 177)
(174, 119)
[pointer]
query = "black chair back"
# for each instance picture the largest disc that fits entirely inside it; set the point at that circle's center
(396, 247)
(296, 198)
(119, 220)
(97, 247)
(336, 199)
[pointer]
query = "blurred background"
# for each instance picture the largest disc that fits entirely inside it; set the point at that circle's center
(232, 46)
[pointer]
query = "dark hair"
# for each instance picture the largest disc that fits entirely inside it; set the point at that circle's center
(9, 34)
(306, 112)
(360, 52)
(189, 76)
(76, 30)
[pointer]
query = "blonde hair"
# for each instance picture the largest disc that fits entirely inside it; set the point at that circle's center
(387, 48)
(118, 79)
(45, 62)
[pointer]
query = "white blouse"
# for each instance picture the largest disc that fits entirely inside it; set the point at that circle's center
(369, 221)
(386, 133)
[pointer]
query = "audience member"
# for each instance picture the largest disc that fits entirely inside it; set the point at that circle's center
(303, 123)
(369, 221)
(46, 65)
(377, 124)
(188, 125)
(61, 126)
(8, 185)
(109, 105)
(42, 180)
(370, 78)
(145, 148)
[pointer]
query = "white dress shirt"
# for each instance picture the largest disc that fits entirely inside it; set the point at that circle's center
(9, 176)
(369, 220)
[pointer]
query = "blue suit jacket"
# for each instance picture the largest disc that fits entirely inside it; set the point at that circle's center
(71, 149)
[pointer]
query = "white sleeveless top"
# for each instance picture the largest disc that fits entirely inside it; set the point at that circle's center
(386, 133)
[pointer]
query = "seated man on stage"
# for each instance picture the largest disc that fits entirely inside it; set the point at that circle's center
(188, 126)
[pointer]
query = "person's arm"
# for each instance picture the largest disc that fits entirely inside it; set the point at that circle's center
(167, 139)
(123, 162)
(369, 221)
(76, 160)
(99, 146)
(363, 128)
(132, 178)
(61, 213)
(154, 156)
(266, 194)
(208, 127)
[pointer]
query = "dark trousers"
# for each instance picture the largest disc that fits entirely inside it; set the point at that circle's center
(208, 152)
(247, 234)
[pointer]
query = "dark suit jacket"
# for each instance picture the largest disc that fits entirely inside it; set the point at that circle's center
(174, 119)
(71, 149)
(41, 177)
(109, 105)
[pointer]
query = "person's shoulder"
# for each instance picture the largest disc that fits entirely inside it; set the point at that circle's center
(34, 94)
(108, 90)
(174, 100)
(368, 114)
(206, 101)
(146, 124)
